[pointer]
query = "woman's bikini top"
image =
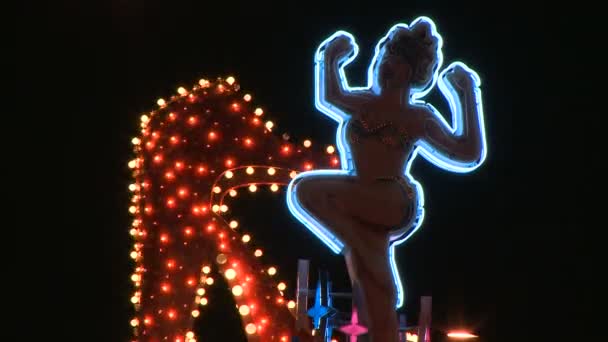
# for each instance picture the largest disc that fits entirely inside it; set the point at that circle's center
(387, 132)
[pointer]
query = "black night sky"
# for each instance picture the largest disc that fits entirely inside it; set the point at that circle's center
(501, 250)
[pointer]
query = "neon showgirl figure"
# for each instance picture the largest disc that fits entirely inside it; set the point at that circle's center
(373, 203)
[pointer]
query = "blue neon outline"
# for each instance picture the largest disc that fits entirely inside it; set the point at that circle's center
(422, 147)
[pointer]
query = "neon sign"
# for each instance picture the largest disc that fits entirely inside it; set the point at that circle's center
(461, 110)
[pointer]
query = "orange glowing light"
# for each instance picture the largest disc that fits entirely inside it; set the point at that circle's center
(171, 202)
(192, 120)
(179, 165)
(170, 264)
(188, 231)
(461, 335)
(158, 158)
(165, 288)
(212, 135)
(164, 238)
(174, 140)
(229, 162)
(171, 314)
(169, 175)
(182, 192)
(191, 281)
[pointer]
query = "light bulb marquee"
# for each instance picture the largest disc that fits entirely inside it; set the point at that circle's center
(195, 153)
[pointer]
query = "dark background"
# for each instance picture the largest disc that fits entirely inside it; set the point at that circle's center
(504, 250)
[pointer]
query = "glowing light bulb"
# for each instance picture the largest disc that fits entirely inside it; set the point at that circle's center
(229, 162)
(135, 141)
(169, 175)
(132, 164)
(172, 116)
(293, 174)
(248, 142)
(215, 208)
(171, 202)
(133, 231)
(330, 149)
(307, 143)
(237, 290)
(182, 91)
(281, 286)
(217, 189)
(133, 255)
(134, 322)
(170, 264)
(182, 192)
(147, 320)
(132, 187)
(144, 118)
(233, 224)
(461, 335)
(209, 281)
(253, 188)
(258, 253)
(132, 209)
(204, 83)
(171, 314)
(274, 187)
(269, 125)
(246, 238)
(134, 299)
(291, 304)
(258, 111)
(244, 310)
(204, 301)
(212, 135)
(308, 166)
(158, 158)
(164, 238)
(174, 139)
(232, 193)
(161, 102)
(179, 165)
(230, 80)
(251, 328)
(221, 259)
(230, 274)
(191, 281)
(249, 170)
(223, 208)
(135, 277)
(247, 97)
(228, 174)
(272, 271)
(206, 269)
(272, 171)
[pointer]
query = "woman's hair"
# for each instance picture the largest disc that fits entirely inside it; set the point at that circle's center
(418, 47)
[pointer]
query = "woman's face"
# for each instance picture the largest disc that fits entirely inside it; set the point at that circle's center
(393, 70)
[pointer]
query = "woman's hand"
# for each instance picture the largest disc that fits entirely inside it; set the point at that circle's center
(460, 78)
(338, 48)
